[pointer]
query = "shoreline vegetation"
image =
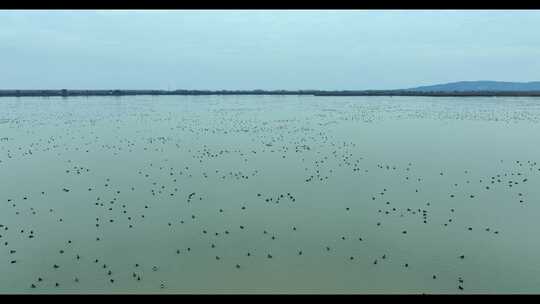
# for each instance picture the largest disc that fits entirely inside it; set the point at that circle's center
(69, 93)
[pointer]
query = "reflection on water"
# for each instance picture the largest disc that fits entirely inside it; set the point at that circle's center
(229, 194)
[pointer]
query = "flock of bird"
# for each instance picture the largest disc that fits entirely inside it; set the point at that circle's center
(206, 174)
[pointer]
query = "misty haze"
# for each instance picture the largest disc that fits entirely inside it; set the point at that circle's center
(269, 152)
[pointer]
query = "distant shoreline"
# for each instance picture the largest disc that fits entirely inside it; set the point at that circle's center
(70, 93)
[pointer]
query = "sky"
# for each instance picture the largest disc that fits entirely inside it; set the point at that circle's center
(265, 49)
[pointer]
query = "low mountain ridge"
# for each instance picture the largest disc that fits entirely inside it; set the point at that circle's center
(483, 85)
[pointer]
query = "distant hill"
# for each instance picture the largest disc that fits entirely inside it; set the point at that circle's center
(475, 86)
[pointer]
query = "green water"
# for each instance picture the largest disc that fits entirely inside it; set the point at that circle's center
(122, 158)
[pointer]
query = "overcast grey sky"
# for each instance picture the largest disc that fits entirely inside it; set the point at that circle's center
(264, 49)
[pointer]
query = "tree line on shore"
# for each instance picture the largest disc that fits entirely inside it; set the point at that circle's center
(66, 93)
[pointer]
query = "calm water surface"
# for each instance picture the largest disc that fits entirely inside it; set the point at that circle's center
(269, 194)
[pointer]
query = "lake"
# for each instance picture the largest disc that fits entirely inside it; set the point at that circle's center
(269, 194)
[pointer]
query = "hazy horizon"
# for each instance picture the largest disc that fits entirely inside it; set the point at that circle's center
(265, 49)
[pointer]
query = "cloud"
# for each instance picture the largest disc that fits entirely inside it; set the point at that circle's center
(264, 49)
